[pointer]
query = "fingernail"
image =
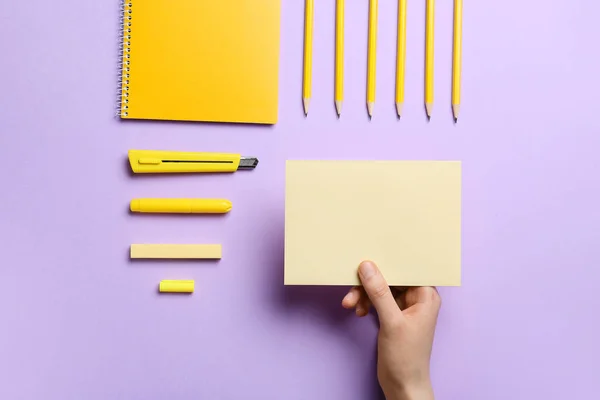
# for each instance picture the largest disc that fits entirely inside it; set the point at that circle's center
(367, 269)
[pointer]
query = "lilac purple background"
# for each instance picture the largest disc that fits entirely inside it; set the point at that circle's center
(79, 321)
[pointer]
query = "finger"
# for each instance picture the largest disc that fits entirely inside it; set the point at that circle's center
(363, 306)
(358, 299)
(423, 301)
(361, 311)
(379, 292)
(352, 298)
(423, 295)
(365, 303)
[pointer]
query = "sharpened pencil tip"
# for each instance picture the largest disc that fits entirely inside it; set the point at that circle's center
(305, 103)
(399, 109)
(370, 108)
(455, 111)
(429, 109)
(338, 108)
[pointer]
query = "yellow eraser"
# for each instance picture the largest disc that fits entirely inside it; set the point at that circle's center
(176, 286)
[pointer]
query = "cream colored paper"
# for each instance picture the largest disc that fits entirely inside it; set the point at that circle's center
(403, 215)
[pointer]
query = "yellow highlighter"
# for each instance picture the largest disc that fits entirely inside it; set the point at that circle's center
(161, 162)
(181, 206)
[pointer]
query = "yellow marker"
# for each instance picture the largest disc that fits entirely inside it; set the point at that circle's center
(401, 56)
(429, 56)
(308, 39)
(457, 57)
(181, 206)
(371, 63)
(161, 162)
(176, 286)
(339, 56)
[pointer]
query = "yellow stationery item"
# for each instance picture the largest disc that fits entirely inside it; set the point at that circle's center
(339, 56)
(429, 56)
(403, 215)
(169, 251)
(308, 40)
(401, 56)
(200, 60)
(170, 286)
(181, 206)
(158, 162)
(457, 57)
(372, 56)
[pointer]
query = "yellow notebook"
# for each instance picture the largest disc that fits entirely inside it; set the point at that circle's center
(200, 60)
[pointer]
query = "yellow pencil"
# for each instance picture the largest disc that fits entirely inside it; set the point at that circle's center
(339, 56)
(308, 39)
(457, 57)
(429, 57)
(372, 56)
(401, 56)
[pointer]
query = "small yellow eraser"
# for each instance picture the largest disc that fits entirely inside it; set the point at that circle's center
(176, 286)
(168, 251)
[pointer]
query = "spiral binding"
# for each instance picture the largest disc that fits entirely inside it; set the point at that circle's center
(124, 61)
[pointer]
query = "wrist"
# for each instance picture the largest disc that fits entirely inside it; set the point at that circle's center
(422, 391)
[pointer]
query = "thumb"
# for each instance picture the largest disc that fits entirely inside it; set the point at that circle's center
(379, 292)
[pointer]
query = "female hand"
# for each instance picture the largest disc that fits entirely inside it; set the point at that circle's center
(407, 319)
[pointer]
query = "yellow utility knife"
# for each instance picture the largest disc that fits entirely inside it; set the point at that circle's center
(161, 162)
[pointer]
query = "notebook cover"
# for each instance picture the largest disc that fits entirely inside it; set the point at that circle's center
(200, 60)
(403, 215)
